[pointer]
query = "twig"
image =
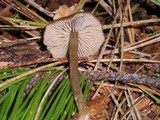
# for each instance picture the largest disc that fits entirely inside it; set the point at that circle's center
(19, 27)
(133, 24)
(116, 103)
(35, 5)
(128, 60)
(96, 6)
(113, 52)
(151, 90)
(95, 94)
(132, 102)
(124, 78)
(80, 5)
(122, 41)
(29, 63)
(119, 105)
(121, 87)
(141, 53)
(106, 42)
(136, 102)
(17, 5)
(48, 60)
(30, 33)
(139, 44)
(19, 41)
(132, 30)
(152, 58)
(80, 60)
(157, 113)
(105, 6)
(128, 100)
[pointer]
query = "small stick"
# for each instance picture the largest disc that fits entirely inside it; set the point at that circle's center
(38, 7)
(124, 78)
(132, 24)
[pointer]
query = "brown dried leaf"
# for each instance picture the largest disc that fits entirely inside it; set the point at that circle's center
(64, 11)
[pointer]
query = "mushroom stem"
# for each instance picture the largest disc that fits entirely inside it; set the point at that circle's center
(74, 76)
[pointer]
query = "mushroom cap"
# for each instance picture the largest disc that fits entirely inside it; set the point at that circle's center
(88, 28)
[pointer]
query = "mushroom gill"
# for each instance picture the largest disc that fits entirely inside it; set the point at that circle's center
(88, 28)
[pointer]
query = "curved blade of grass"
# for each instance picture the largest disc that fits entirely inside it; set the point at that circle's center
(10, 84)
(157, 2)
(7, 104)
(63, 100)
(21, 113)
(19, 98)
(149, 94)
(37, 97)
(23, 109)
(28, 22)
(65, 106)
(72, 108)
(152, 96)
(87, 88)
(51, 87)
(8, 73)
(59, 102)
(69, 108)
(8, 93)
(53, 107)
(48, 104)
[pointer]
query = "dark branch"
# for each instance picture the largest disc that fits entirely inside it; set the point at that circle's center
(124, 78)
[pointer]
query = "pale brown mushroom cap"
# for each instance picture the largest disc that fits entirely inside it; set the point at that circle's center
(90, 35)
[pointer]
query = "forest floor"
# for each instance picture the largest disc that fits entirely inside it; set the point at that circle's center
(132, 46)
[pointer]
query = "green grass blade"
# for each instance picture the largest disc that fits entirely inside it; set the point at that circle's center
(10, 84)
(7, 104)
(157, 2)
(19, 98)
(53, 107)
(32, 23)
(49, 103)
(69, 107)
(37, 97)
(149, 94)
(8, 73)
(62, 102)
(26, 104)
(58, 105)
(152, 96)
(72, 107)
(87, 88)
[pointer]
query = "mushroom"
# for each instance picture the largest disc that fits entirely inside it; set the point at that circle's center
(79, 35)
(88, 28)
